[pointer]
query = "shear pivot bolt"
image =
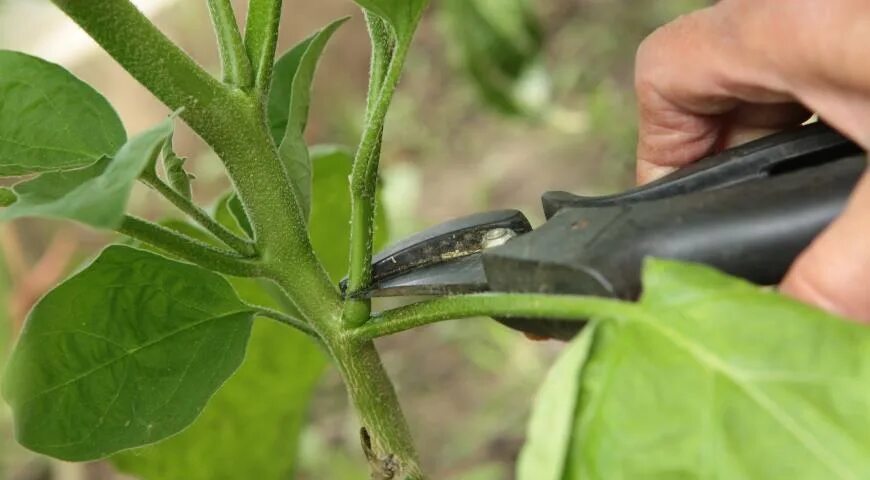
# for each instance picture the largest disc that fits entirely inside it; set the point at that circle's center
(497, 237)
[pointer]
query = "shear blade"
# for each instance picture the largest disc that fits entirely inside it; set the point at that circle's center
(442, 260)
(463, 275)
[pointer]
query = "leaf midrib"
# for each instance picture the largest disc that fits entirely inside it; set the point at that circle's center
(715, 364)
(130, 353)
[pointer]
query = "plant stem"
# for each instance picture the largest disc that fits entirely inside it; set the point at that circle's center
(285, 319)
(261, 37)
(382, 53)
(188, 249)
(276, 217)
(234, 57)
(158, 64)
(506, 305)
(232, 122)
(363, 188)
(244, 247)
(391, 454)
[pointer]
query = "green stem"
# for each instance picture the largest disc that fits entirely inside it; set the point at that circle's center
(289, 260)
(234, 57)
(285, 319)
(505, 305)
(390, 450)
(242, 246)
(363, 186)
(188, 249)
(135, 43)
(261, 38)
(382, 53)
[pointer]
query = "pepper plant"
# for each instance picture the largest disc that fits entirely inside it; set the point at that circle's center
(705, 375)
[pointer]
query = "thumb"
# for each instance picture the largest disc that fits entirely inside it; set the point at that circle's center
(834, 272)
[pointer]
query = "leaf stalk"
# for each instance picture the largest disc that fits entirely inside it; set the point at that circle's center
(188, 248)
(504, 305)
(240, 245)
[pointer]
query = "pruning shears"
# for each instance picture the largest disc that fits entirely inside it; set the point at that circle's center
(748, 211)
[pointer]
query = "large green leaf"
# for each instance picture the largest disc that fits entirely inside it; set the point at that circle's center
(402, 15)
(250, 428)
(711, 377)
(95, 195)
(288, 106)
(550, 428)
(123, 354)
(49, 119)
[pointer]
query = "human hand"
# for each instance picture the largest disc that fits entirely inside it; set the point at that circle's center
(745, 68)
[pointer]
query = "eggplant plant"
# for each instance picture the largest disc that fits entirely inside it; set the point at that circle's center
(706, 376)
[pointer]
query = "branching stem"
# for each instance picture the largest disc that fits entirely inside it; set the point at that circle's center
(363, 186)
(261, 37)
(231, 120)
(234, 57)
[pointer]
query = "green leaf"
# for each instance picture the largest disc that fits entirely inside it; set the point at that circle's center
(95, 195)
(123, 354)
(550, 427)
(278, 103)
(250, 429)
(51, 120)
(330, 214)
(402, 15)
(289, 103)
(712, 377)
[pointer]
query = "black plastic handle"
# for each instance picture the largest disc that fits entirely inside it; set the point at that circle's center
(808, 146)
(752, 227)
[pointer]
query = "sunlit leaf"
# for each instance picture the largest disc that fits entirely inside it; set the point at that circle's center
(95, 195)
(123, 354)
(51, 120)
(710, 376)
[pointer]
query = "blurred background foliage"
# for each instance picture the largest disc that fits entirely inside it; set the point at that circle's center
(502, 100)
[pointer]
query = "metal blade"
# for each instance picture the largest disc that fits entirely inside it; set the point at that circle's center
(463, 275)
(444, 259)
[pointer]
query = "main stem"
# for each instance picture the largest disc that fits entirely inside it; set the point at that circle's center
(391, 454)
